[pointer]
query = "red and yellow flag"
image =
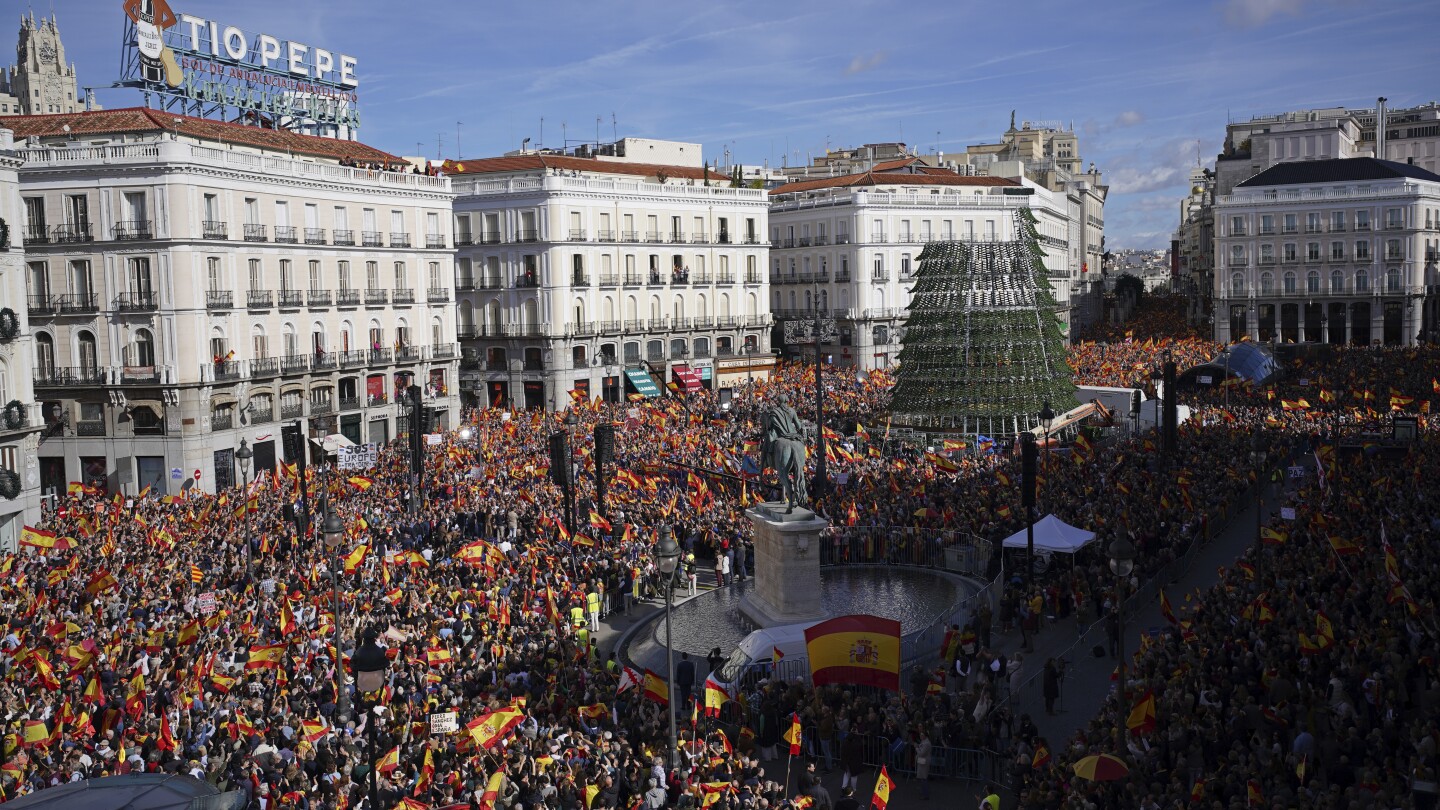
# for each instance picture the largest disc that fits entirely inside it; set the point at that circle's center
(490, 728)
(793, 735)
(1142, 716)
(265, 656)
(656, 688)
(883, 786)
(861, 650)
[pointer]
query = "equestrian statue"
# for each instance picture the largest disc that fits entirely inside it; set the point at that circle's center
(782, 447)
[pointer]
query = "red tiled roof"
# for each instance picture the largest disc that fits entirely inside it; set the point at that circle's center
(542, 162)
(892, 179)
(892, 165)
(142, 119)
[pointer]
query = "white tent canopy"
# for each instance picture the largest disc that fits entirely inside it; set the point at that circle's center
(1053, 535)
(333, 442)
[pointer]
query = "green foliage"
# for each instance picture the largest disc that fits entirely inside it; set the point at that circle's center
(1128, 284)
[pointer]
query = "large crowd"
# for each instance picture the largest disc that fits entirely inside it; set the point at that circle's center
(198, 635)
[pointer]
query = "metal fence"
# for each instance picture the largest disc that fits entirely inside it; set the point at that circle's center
(960, 552)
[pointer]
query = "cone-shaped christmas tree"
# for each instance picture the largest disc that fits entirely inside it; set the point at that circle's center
(983, 349)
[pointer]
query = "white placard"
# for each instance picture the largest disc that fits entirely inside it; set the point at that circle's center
(358, 457)
(445, 723)
(1297, 472)
(1287, 512)
(1204, 379)
(206, 603)
(433, 439)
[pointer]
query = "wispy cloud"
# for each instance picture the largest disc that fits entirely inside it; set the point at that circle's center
(860, 64)
(1129, 118)
(1255, 13)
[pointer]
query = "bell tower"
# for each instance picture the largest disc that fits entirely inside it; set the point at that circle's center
(40, 82)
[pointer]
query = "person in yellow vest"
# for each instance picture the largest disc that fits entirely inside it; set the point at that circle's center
(592, 603)
(577, 616)
(582, 637)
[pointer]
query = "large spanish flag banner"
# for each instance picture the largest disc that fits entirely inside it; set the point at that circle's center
(860, 650)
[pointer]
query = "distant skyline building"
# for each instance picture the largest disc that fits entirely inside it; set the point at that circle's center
(40, 81)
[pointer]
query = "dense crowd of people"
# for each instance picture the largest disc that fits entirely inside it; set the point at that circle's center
(198, 634)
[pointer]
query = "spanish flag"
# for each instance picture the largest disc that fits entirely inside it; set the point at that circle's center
(354, 558)
(599, 522)
(360, 482)
(1041, 758)
(189, 633)
(1323, 626)
(594, 711)
(102, 581)
(1294, 405)
(36, 538)
(36, 732)
(711, 792)
(1253, 794)
(1342, 546)
(427, 774)
(1197, 791)
(490, 728)
(883, 786)
(1142, 716)
(492, 790)
(591, 791)
(860, 650)
(794, 734)
(265, 656)
(1272, 537)
(435, 656)
(390, 761)
(715, 697)
(656, 688)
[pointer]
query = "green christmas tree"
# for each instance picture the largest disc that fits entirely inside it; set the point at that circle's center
(983, 347)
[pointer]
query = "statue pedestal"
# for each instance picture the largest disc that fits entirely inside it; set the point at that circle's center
(787, 566)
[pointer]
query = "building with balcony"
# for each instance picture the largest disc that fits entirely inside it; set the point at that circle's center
(606, 276)
(1329, 251)
(850, 246)
(190, 283)
(20, 421)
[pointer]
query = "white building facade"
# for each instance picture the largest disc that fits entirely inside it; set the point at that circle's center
(606, 278)
(1329, 251)
(191, 284)
(850, 246)
(19, 414)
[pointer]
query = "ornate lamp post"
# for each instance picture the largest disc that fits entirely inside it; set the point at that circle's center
(370, 667)
(818, 330)
(1122, 562)
(667, 556)
(244, 455)
(1257, 457)
(334, 531)
(1047, 418)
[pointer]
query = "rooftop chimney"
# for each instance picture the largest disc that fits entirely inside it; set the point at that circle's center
(1380, 128)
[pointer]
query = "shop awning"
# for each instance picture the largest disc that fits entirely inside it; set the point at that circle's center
(642, 383)
(688, 377)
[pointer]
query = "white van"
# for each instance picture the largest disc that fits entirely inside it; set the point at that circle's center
(754, 658)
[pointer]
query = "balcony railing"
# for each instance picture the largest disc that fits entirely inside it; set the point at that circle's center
(403, 295)
(437, 295)
(379, 357)
(489, 238)
(314, 236)
(489, 283)
(71, 233)
(295, 363)
(408, 354)
(608, 327)
(285, 234)
(705, 322)
(293, 410)
(319, 407)
(577, 234)
(90, 428)
(259, 299)
(133, 229)
(375, 298)
(222, 420)
(579, 280)
(136, 302)
(42, 305)
(699, 238)
(464, 238)
(292, 298)
(604, 236)
(723, 238)
(842, 238)
(219, 299)
(399, 240)
(653, 236)
(352, 358)
(443, 351)
(77, 304)
(526, 281)
(71, 375)
(527, 235)
(260, 417)
(371, 239)
(37, 236)
(752, 239)
(255, 233)
(435, 240)
(325, 361)
(227, 370)
(317, 298)
(629, 236)
(265, 367)
(350, 403)
(464, 283)
(342, 236)
(677, 238)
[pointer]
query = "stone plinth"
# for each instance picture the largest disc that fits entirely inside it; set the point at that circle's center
(787, 566)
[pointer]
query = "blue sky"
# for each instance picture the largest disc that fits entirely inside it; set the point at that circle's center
(1145, 84)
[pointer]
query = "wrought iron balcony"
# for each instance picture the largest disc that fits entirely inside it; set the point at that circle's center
(137, 302)
(78, 304)
(464, 238)
(403, 295)
(285, 234)
(527, 235)
(371, 239)
(377, 297)
(699, 238)
(629, 236)
(255, 233)
(317, 298)
(222, 420)
(437, 295)
(526, 281)
(409, 354)
(604, 236)
(42, 305)
(609, 279)
(259, 299)
(295, 363)
(577, 234)
(342, 236)
(292, 410)
(489, 283)
(579, 280)
(37, 236)
(292, 298)
(261, 416)
(464, 283)
(227, 370)
(443, 351)
(319, 407)
(435, 240)
(71, 233)
(399, 240)
(133, 229)
(96, 428)
(264, 367)
(379, 357)
(347, 298)
(219, 299)
(324, 361)
(353, 358)
(489, 238)
(314, 236)
(214, 229)
(350, 403)
(69, 375)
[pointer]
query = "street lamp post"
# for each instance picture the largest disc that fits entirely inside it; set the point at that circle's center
(667, 554)
(334, 531)
(1122, 562)
(1257, 457)
(1047, 418)
(571, 420)
(369, 666)
(244, 455)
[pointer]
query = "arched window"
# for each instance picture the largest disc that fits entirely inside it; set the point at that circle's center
(1362, 281)
(44, 354)
(1392, 280)
(144, 348)
(702, 347)
(1312, 281)
(1267, 282)
(1237, 283)
(1337, 281)
(1289, 282)
(89, 358)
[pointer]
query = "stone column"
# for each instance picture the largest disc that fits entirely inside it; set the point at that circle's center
(787, 567)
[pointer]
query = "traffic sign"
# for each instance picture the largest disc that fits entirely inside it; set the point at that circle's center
(197, 475)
